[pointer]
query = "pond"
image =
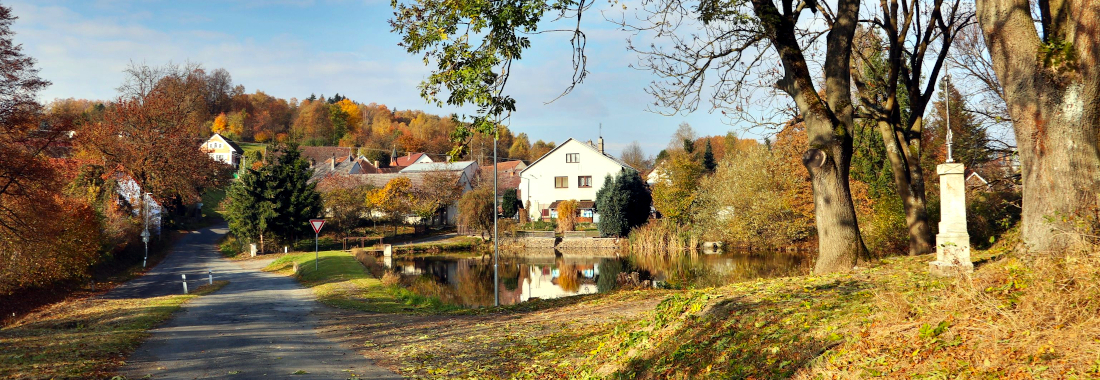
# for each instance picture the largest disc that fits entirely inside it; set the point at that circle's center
(468, 281)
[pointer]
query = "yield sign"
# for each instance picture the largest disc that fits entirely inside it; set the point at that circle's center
(317, 223)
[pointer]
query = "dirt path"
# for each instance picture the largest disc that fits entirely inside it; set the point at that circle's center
(260, 325)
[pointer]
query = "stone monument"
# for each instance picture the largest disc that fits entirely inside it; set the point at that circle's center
(953, 241)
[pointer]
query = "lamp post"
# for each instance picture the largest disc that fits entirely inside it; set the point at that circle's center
(496, 242)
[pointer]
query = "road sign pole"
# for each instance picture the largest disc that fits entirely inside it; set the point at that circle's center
(316, 224)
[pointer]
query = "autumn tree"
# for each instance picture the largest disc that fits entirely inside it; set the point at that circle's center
(45, 236)
(674, 194)
(1049, 67)
(521, 148)
(434, 193)
(394, 200)
(567, 215)
(540, 148)
(475, 209)
(345, 204)
(149, 137)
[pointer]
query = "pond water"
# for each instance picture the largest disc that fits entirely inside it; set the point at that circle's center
(468, 281)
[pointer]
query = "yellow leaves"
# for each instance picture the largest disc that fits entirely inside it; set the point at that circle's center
(220, 124)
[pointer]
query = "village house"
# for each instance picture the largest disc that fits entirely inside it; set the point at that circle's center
(409, 159)
(574, 170)
(224, 150)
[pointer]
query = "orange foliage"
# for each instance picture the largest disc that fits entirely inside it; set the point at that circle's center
(221, 123)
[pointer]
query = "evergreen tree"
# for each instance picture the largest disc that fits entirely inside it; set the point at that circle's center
(275, 201)
(708, 159)
(623, 203)
(509, 203)
(689, 146)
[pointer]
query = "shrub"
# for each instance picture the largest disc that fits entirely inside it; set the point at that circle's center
(748, 201)
(391, 279)
(567, 215)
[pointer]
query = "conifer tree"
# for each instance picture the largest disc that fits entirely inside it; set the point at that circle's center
(708, 159)
(623, 203)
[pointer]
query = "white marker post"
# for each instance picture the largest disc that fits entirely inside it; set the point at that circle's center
(210, 277)
(145, 238)
(184, 283)
(317, 224)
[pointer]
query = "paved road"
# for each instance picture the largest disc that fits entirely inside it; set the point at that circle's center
(261, 325)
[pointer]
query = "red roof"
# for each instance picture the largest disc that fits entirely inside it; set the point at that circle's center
(408, 159)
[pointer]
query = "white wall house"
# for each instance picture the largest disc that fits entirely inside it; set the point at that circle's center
(573, 170)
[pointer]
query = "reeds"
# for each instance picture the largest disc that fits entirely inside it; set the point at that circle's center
(662, 239)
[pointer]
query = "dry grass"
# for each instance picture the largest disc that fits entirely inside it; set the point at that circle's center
(84, 338)
(1016, 317)
(662, 238)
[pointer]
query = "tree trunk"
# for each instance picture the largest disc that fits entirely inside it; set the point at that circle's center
(909, 181)
(1052, 89)
(840, 245)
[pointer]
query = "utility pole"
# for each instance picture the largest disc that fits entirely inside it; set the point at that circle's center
(496, 241)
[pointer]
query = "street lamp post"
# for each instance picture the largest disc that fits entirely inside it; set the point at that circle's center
(496, 241)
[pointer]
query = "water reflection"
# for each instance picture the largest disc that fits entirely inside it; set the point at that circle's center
(469, 281)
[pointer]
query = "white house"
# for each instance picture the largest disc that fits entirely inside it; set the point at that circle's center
(410, 159)
(224, 150)
(139, 199)
(573, 170)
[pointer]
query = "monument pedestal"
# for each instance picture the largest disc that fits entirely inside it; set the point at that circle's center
(953, 241)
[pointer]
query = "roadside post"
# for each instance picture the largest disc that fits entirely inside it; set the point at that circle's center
(210, 277)
(184, 283)
(145, 238)
(317, 224)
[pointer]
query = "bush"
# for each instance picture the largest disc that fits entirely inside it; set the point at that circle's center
(749, 201)
(391, 279)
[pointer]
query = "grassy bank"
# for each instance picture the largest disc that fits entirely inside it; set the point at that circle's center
(1015, 317)
(84, 338)
(339, 280)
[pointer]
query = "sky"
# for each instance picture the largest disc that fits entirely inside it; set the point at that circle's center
(294, 48)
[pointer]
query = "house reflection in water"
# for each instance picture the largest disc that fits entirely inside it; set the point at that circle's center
(521, 280)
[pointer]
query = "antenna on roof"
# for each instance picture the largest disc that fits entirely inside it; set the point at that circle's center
(601, 130)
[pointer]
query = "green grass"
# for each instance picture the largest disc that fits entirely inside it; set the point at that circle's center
(249, 147)
(211, 203)
(84, 338)
(341, 281)
(456, 244)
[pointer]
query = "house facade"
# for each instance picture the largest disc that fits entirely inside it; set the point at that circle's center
(574, 170)
(224, 150)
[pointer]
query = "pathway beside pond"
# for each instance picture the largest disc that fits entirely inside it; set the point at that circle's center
(260, 325)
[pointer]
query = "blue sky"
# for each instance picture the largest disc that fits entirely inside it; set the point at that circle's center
(292, 48)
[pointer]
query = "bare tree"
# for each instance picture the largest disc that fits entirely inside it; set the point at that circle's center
(634, 156)
(761, 44)
(896, 88)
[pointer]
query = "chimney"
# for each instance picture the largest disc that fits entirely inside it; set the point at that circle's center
(333, 161)
(377, 164)
(601, 144)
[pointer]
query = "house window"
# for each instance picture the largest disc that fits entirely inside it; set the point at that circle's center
(561, 182)
(584, 181)
(572, 157)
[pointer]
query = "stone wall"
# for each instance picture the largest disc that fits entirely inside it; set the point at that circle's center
(591, 243)
(530, 242)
